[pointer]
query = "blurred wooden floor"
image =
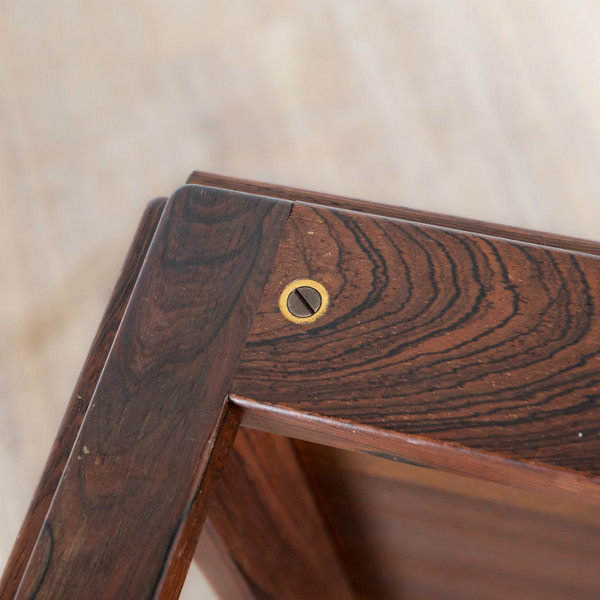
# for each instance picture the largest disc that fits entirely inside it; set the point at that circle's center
(487, 109)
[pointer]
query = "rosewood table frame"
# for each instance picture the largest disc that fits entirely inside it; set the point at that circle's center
(448, 343)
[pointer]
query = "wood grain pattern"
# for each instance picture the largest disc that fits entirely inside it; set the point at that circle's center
(128, 510)
(419, 534)
(80, 400)
(265, 525)
(462, 339)
(395, 212)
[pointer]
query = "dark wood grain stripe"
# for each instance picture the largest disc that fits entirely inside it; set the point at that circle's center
(129, 507)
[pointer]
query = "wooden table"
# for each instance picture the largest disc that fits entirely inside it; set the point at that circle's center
(464, 347)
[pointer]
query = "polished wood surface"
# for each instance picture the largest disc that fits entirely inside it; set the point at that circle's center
(395, 212)
(462, 339)
(126, 515)
(419, 534)
(267, 530)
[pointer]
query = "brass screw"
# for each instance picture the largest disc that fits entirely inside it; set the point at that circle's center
(303, 301)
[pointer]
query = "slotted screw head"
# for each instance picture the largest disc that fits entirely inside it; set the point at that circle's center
(304, 301)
